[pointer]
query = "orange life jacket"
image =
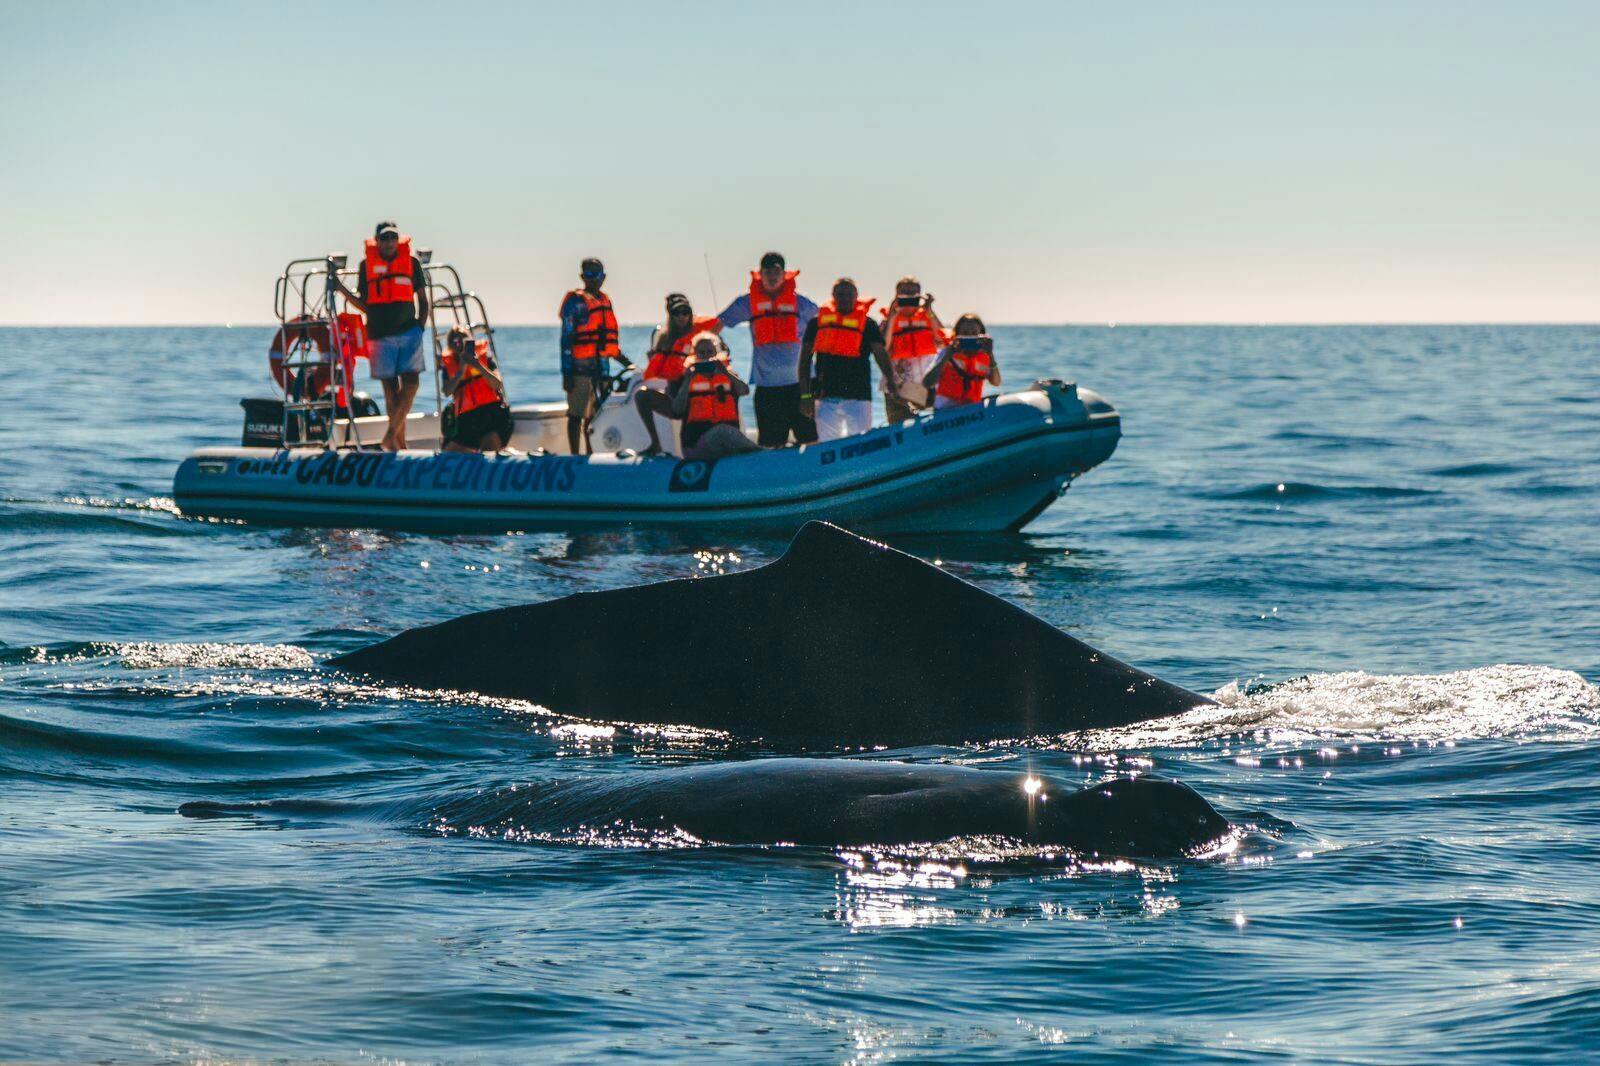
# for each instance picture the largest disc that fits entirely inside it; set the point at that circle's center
(840, 334)
(389, 280)
(963, 376)
(711, 398)
(597, 337)
(668, 365)
(475, 390)
(353, 345)
(774, 319)
(911, 332)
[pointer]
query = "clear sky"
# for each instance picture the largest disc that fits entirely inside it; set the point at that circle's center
(1038, 162)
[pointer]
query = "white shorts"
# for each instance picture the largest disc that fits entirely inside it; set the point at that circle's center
(842, 418)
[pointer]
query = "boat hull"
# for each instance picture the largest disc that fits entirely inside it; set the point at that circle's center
(989, 467)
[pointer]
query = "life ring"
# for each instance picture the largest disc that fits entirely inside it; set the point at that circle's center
(317, 335)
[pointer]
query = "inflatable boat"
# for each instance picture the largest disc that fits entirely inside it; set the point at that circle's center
(986, 467)
(307, 456)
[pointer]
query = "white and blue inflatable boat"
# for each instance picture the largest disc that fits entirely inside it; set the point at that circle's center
(988, 467)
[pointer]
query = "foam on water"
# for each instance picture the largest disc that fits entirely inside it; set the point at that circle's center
(1509, 702)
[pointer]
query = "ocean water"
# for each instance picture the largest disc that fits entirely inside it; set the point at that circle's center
(1377, 546)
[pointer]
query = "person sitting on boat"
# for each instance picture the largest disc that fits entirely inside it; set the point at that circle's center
(588, 338)
(841, 337)
(965, 365)
(706, 397)
(392, 291)
(477, 418)
(669, 347)
(913, 335)
(778, 315)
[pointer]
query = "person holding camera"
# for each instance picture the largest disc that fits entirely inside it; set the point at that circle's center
(914, 335)
(670, 349)
(964, 367)
(477, 418)
(707, 399)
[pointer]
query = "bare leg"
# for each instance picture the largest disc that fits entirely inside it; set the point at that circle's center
(574, 432)
(391, 400)
(651, 403)
(408, 393)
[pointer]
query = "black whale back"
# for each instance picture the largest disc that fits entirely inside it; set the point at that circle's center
(842, 641)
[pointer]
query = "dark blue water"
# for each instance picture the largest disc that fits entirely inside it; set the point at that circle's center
(1378, 545)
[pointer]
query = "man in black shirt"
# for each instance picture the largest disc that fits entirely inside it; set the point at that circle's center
(392, 289)
(840, 338)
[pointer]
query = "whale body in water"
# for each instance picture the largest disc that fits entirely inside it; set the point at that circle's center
(840, 642)
(823, 802)
(849, 802)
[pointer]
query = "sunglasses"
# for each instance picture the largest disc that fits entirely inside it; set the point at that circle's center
(682, 313)
(388, 236)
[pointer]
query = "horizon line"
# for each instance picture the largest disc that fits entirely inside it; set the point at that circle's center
(1091, 324)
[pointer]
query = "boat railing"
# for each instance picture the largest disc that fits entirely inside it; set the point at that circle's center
(452, 304)
(306, 300)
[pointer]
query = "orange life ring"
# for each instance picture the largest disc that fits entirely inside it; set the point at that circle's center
(317, 335)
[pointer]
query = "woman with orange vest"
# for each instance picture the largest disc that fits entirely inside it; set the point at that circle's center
(477, 419)
(965, 365)
(840, 338)
(589, 338)
(914, 335)
(671, 345)
(778, 315)
(392, 291)
(706, 397)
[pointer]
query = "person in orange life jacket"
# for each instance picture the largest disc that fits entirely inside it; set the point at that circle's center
(778, 315)
(707, 399)
(840, 338)
(588, 339)
(913, 334)
(392, 291)
(671, 345)
(477, 419)
(965, 365)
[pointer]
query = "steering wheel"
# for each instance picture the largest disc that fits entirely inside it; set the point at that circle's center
(619, 380)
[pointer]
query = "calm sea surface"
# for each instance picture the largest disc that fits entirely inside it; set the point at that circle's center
(1379, 546)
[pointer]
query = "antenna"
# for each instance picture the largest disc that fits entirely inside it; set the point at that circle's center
(715, 303)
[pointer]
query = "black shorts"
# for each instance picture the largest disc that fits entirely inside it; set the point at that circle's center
(470, 428)
(693, 431)
(778, 415)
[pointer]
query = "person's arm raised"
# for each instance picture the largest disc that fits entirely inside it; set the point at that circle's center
(351, 298)
(880, 352)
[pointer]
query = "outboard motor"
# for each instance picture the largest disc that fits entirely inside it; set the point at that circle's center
(263, 423)
(263, 420)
